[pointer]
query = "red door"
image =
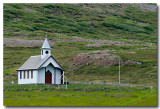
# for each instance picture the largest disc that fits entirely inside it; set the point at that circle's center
(48, 77)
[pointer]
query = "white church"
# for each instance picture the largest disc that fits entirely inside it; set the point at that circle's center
(41, 69)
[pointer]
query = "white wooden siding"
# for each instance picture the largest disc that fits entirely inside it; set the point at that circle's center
(28, 80)
(41, 76)
(58, 74)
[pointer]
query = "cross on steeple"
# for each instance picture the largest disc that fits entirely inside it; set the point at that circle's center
(46, 34)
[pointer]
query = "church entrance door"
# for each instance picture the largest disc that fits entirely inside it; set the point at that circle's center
(48, 77)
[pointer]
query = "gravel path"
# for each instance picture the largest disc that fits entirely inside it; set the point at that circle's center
(22, 42)
(30, 43)
(93, 43)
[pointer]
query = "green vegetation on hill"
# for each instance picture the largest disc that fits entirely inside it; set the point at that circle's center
(121, 22)
(94, 21)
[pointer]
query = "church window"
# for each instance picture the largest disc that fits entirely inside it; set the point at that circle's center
(42, 52)
(46, 52)
(20, 74)
(31, 73)
(24, 76)
(28, 74)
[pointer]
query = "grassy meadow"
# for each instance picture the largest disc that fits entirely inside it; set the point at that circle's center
(106, 32)
(79, 95)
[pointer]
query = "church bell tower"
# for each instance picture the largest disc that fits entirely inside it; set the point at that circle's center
(45, 50)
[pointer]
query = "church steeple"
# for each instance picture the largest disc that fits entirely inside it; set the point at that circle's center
(45, 50)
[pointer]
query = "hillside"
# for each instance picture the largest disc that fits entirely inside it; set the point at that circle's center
(96, 21)
(87, 39)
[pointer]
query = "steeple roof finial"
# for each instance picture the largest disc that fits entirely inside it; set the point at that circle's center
(46, 44)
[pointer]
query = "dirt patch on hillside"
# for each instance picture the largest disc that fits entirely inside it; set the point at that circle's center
(30, 43)
(97, 43)
(146, 6)
(101, 57)
(23, 42)
(93, 43)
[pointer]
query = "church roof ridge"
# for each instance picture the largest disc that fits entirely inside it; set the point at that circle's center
(35, 62)
(36, 55)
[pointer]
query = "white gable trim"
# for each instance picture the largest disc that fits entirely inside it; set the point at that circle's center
(53, 61)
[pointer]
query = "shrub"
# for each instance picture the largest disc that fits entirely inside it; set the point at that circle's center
(16, 5)
(50, 6)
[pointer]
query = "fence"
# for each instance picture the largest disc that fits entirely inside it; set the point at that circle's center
(15, 84)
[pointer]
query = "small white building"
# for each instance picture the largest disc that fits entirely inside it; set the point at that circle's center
(41, 69)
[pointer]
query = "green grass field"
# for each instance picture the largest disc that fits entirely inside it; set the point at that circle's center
(79, 95)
